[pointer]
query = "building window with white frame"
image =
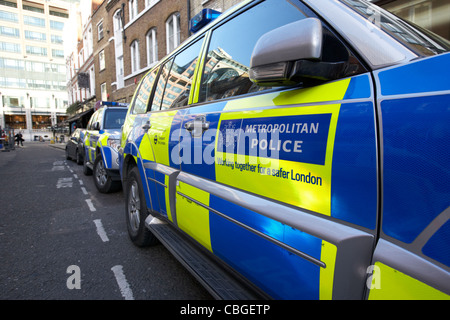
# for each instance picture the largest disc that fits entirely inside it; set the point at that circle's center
(134, 50)
(101, 60)
(150, 3)
(152, 46)
(133, 8)
(103, 93)
(100, 30)
(173, 32)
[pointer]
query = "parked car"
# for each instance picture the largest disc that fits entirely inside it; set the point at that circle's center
(299, 149)
(101, 143)
(74, 147)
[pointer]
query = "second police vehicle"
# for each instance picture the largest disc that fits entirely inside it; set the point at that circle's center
(297, 150)
(101, 140)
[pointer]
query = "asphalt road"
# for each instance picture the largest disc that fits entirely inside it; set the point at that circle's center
(60, 239)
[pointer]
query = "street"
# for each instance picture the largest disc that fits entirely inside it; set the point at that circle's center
(60, 239)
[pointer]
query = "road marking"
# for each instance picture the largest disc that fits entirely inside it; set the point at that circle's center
(125, 289)
(64, 183)
(75, 176)
(84, 190)
(91, 206)
(81, 182)
(58, 166)
(100, 230)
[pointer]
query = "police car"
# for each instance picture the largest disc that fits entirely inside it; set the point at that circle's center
(297, 150)
(101, 142)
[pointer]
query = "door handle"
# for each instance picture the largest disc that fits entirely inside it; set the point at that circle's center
(197, 126)
(147, 126)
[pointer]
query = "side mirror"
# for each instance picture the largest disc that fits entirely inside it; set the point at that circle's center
(96, 126)
(292, 54)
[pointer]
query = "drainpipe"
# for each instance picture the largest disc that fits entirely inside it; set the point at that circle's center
(122, 16)
(188, 5)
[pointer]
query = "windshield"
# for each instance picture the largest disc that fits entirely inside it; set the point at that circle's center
(422, 42)
(115, 118)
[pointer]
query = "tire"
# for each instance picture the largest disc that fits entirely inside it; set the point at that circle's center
(67, 154)
(86, 170)
(136, 211)
(102, 180)
(79, 158)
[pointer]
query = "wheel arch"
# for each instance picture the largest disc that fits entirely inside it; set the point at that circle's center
(128, 163)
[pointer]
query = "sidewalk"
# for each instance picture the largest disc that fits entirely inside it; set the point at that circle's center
(57, 145)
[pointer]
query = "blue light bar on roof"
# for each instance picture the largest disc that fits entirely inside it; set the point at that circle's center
(202, 18)
(113, 103)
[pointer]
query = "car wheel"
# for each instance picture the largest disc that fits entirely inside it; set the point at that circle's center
(102, 180)
(86, 170)
(136, 211)
(79, 158)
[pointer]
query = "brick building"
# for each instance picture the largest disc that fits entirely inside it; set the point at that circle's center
(131, 37)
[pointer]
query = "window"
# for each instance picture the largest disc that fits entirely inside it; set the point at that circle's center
(8, 31)
(56, 25)
(159, 89)
(228, 60)
(150, 3)
(134, 50)
(57, 53)
(38, 51)
(8, 3)
(8, 16)
(176, 93)
(152, 46)
(12, 64)
(34, 35)
(103, 93)
(31, 8)
(57, 39)
(173, 32)
(133, 9)
(145, 89)
(114, 118)
(59, 14)
(10, 47)
(100, 30)
(101, 60)
(33, 21)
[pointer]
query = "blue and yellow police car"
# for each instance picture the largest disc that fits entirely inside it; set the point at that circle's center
(101, 140)
(297, 150)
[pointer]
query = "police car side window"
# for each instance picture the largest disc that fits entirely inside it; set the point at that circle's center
(145, 89)
(160, 85)
(179, 83)
(92, 121)
(228, 59)
(175, 80)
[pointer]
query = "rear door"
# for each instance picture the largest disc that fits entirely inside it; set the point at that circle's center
(281, 184)
(92, 134)
(159, 146)
(412, 259)
(138, 145)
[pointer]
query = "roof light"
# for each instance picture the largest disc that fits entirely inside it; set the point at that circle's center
(202, 18)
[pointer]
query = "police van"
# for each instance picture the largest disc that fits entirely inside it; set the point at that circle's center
(297, 150)
(101, 141)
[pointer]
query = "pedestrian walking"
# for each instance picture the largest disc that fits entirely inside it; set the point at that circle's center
(19, 139)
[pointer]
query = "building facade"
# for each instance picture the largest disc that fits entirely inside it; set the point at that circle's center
(80, 66)
(131, 37)
(32, 67)
(433, 15)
